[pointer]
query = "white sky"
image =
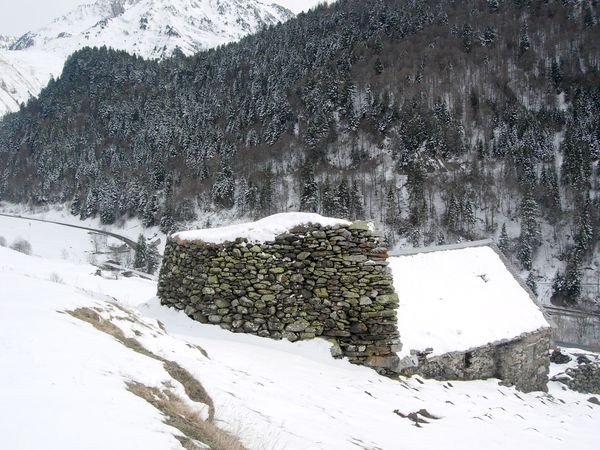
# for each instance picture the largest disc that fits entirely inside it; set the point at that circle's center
(20, 16)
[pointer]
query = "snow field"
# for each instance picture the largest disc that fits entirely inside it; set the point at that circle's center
(69, 379)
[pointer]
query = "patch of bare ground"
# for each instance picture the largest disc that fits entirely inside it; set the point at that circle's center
(177, 412)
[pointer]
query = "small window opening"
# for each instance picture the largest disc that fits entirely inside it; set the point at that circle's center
(468, 359)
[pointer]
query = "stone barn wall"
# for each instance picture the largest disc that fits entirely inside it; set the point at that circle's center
(314, 281)
(522, 362)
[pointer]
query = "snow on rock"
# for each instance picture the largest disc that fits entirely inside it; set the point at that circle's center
(455, 300)
(262, 230)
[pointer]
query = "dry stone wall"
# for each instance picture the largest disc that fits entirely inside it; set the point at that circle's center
(522, 362)
(314, 281)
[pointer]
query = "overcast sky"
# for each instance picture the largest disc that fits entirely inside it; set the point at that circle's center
(19, 16)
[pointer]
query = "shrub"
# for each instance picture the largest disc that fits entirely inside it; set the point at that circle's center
(21, 245)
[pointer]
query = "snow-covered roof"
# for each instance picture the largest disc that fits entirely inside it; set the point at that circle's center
(262, 230)
(460, 298)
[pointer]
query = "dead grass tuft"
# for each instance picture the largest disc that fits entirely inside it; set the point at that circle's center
(97, 321)
(180, 415)
(177, 412)
(193, 388)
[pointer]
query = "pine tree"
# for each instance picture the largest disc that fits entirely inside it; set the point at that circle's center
(392, 211)
(150, 212)
(416, 193)
(266, 196)
(550, 194)
(309, 190)
(494, 5)
(75, 208)
(524, 43)
(108, 203)
(152, 259)
(357, 209)
(556, 74)
(327, 198)
(469, 215)
(90, 207)
(503, 241)
(341, 200)
(468, 37)
(167, 220)
(141, 254)
(223, 191)
(525, 251)
(451, 217)
(531, 283)
(585, 233)
(572, 285)
(531, 234)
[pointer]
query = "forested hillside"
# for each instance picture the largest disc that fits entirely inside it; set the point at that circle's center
(440, 120)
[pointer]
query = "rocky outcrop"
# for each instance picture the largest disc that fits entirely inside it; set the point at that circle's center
(584, 377)
(314, 281)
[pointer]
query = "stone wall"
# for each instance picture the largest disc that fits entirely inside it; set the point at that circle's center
(522, 362)
(331, 282)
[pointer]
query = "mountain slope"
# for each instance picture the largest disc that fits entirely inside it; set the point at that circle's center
(441, 121)
(148, 28)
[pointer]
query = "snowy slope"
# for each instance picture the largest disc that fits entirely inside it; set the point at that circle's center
(149, 28)
(69, 379)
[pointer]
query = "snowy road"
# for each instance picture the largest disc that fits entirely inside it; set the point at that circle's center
(127, 241)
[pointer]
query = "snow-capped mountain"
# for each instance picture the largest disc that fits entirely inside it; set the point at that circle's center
(149, 28)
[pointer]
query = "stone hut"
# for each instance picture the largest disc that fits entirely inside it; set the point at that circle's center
(293, 276)
(464, 314)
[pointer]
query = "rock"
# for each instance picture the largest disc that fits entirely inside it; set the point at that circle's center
(298, 326)
(559, 358)
(292, 337)
(594, 400)
(336, 350)
(389, 298)
(251, 327)
(358, 328)
(296, 278)
(356, 258)
(222, 303)
(214, 318)
(208, 291)
(582, 359)
(364, 301)
(359, 225)
(302, 256)
(391, 362)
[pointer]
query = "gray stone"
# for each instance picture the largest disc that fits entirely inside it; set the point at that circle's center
(298, 326)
